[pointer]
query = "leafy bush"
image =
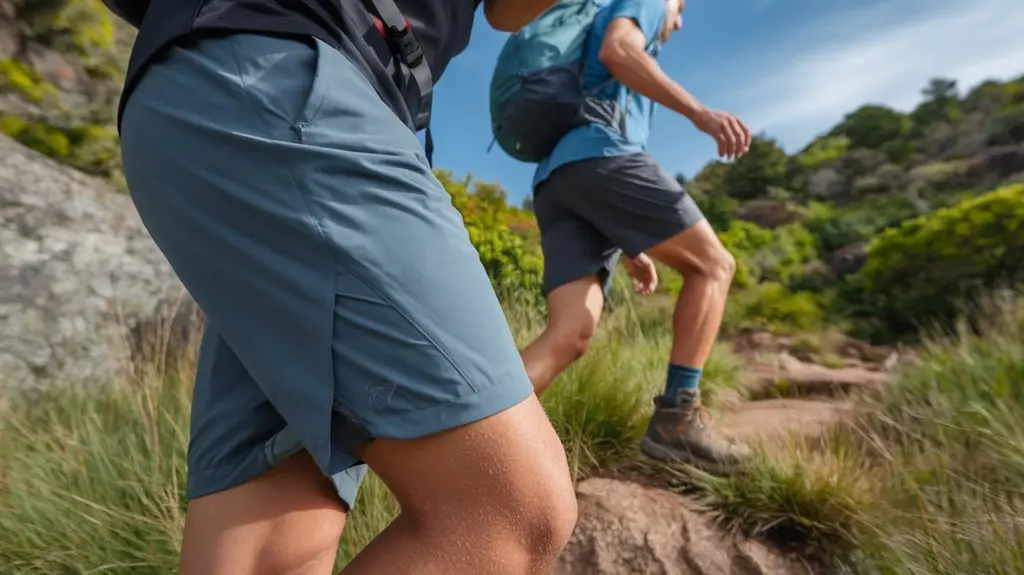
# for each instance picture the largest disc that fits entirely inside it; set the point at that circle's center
(920, 270)
(771, 305)
(822, 151)
(763, 166)
(834, 227)
(763, 254)
(1007, 127)
(515, 267)
(872, 127)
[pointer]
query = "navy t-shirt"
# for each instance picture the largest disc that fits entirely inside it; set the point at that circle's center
(442, 28)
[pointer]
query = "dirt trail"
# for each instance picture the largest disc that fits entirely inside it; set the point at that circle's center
(626, 528)
(786, 395)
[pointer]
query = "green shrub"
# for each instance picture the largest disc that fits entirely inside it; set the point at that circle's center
(920, 270)
(834, 227)
(515, 268)
(763, 254)
(718, 207)
(822, 151)
(1007, 127)
(770, 305)
(763, 166)
(871, 127)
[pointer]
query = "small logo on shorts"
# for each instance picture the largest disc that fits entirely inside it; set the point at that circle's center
(381, 394)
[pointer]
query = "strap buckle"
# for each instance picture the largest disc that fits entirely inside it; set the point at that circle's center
(405, 45)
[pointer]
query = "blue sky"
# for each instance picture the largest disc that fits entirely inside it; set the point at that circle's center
(789, 68)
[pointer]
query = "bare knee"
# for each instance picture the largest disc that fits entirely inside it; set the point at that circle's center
(552, 520)
(504, 491)
(574, 336)
(697, 253)
(573, 312)
(532, 520)
(721, 267)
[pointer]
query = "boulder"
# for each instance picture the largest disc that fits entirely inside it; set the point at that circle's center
(628, 529)
(83, 288)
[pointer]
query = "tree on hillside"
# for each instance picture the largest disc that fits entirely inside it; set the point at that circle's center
(941, 104)
(763, 166)
(872, 127)
(940, 90)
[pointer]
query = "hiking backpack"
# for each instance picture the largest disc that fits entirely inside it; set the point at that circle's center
(536, 94)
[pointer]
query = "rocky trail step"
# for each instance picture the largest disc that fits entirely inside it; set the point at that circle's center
(629, 527)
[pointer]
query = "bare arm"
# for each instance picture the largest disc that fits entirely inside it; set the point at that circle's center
(511, 15)
(623, 53)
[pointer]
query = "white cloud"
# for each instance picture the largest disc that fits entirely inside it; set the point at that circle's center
(883, 55)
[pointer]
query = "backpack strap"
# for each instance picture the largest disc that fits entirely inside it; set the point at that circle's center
(404, 45)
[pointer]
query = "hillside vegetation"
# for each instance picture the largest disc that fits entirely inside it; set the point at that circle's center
(889, 227)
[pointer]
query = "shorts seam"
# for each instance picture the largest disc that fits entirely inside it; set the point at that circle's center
(456, 400)
(440, 349)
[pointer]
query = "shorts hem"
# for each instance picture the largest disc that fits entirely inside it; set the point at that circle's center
(211, 480)
(652, 240)
(603, 273)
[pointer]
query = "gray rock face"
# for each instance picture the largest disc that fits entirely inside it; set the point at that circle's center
(82, 285)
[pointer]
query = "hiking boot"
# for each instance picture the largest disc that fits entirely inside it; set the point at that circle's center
(680, 433)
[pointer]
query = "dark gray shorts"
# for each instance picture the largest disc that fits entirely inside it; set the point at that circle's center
(344, 299)
(591, 210)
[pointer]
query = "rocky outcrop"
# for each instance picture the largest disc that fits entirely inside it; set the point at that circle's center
(82, 285)
(766, 213)
(997, 164)
(628, 529)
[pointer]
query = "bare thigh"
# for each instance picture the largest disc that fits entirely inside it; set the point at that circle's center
(696, 250)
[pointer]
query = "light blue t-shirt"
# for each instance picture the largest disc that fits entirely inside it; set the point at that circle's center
(598, 140)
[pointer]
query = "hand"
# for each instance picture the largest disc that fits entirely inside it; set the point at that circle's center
(731, 134)
(645, 276)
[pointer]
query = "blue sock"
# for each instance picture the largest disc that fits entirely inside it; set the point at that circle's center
(680, 378)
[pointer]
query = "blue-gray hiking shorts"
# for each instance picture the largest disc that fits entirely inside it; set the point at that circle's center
(344, 301)
(590, 211)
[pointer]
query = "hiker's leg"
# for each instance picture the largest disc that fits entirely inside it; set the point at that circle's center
(707, 268)
(643, 209)
(304, 219)
(578, 264)
(493, 496)
(225, 532)
(573, 312)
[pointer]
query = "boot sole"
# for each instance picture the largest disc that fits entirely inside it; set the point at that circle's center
(670, 455)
